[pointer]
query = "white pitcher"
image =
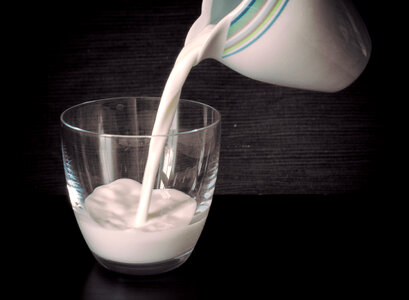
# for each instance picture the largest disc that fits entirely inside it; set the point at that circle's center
(320, 45)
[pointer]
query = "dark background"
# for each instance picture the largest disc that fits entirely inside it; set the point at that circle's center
(275, 140)
(316, 157)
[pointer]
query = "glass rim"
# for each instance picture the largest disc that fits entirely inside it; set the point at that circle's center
(81, 130)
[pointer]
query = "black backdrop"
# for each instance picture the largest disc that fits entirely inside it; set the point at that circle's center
(275, 140)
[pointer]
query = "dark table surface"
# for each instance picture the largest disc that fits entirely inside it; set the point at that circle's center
(250, 246)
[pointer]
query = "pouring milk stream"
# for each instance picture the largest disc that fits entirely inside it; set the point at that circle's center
(319, 45)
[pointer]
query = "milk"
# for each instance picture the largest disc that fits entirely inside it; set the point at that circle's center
(129, 222)
(136, 245)
(114, 205)
(188, 57)
(106, 223)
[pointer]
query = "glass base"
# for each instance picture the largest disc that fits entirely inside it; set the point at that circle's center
(144, 269)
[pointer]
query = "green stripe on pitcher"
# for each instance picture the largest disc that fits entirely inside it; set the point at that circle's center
(259, 31)
(245, 16)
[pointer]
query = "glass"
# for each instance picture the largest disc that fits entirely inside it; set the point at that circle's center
(106, 140)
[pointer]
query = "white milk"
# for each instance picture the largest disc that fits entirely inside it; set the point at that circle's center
(129, 222)
(187, 59)
(107, 223)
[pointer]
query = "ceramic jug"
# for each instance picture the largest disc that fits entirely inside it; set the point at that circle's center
(319, 45)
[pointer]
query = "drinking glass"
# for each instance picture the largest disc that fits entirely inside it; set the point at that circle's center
(106, 140)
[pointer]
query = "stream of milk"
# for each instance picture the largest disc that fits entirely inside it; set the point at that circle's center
(188, 57)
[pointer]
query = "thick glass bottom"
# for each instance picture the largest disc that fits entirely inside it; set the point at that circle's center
(144, 269)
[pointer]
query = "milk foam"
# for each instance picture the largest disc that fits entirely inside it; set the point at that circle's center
(114, 206)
